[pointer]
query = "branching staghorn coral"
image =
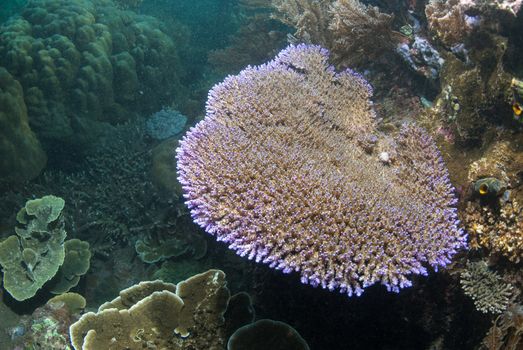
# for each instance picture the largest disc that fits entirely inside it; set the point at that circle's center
(489, 292)
(353, 31)
(289, 170)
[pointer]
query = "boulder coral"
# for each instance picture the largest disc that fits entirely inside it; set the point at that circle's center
(82, 63)
(266, 334)
(288, 168)
(22, 155)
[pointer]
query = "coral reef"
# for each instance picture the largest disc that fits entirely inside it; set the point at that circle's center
(10, 8)
(186, 316)
(476, 78)
(360, 33)
(128, 4)
(499, 229)
(495, 222)
(471, 92)
(257, 40)
(421, 57)
(288, 173)
(33, 256)
(47, 327)
(502, 160)
(22, 155)
(112, 197)
(79, 61)
(506, 331)
(489, 292)
(165, 123)
(354, 32)
(453, 20)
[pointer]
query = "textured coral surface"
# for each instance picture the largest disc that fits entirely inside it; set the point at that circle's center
(288, 169)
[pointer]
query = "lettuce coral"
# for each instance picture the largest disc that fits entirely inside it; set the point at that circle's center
(32, 257)
(289, 169)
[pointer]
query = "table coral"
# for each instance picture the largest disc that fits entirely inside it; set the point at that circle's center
(286, 169)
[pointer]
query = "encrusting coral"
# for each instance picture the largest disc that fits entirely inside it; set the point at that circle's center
(188, 315)
(289, 170)
(47, 327)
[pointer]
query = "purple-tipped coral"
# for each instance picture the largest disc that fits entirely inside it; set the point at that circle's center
(289, 169)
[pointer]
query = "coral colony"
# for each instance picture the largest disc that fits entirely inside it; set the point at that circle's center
(287, 168)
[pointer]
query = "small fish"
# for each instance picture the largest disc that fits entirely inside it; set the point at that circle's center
(517, 109)
(516, 86)
(489, 187)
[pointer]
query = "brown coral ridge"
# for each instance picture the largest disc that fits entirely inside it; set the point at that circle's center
(475, 92)
(453, 21)
(159, 315)
(355, 33)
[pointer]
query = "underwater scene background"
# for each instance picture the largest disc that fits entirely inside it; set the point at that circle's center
(261, 174)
